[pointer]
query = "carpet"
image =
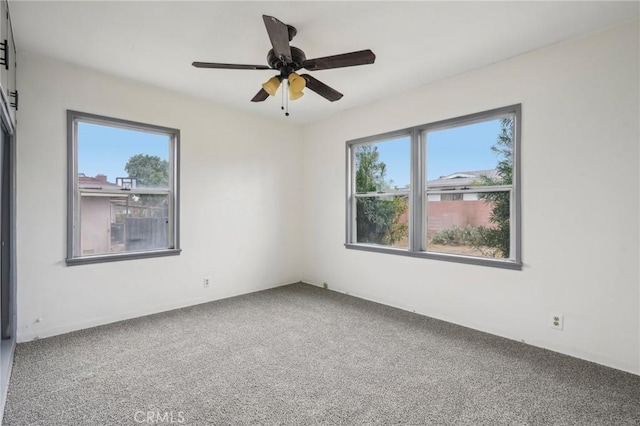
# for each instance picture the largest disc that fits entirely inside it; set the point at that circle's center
(301, 355)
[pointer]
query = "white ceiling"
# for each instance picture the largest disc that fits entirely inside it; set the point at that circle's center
(416, 43)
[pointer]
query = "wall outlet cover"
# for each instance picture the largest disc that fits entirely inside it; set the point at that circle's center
(556, 321)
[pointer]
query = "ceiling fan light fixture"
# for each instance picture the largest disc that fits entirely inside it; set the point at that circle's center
(296, 85)
(295, 95)
(271, 85)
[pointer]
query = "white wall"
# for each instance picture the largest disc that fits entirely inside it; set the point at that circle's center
(242, 181)
(580, 195)
(240, 203)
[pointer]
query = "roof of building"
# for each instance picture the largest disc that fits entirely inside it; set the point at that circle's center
(98, 182)
(461, 179)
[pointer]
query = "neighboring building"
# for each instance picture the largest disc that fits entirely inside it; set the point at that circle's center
(457, 209)
(99, 181)
(120, 221)
(458, 180)
(98, 234)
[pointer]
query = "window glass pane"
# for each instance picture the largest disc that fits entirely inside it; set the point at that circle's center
(112, 156)
(459, 158)
(473, 154)
(122, 223)
(477, 225)
(383, 166)
(383, 220)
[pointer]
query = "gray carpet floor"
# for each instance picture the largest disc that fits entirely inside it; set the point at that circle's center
(301, 355)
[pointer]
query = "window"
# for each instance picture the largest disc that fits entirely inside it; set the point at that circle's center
(449, 197)
(123, 189)
(382, 192)
(447, 190)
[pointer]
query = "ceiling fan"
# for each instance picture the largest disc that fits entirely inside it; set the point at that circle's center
(288, 59)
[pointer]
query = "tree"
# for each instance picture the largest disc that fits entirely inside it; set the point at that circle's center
(377, 219)
(149, 170)
(498, 237)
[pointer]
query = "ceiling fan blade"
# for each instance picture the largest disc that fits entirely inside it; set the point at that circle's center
(260, 96)
(229, 66)
(279, 36)
(362, 57)
(322, 89)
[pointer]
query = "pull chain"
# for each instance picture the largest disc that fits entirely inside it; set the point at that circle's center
(282, 99)
(287, 99)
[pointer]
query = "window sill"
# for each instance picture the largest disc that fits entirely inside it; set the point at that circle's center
(123, 256)
(470, 260)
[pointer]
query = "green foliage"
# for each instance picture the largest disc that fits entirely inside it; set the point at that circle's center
(377, 218)
(370, 171)
(149, 170)
(498, 237)
(457, 236)
(477, 237)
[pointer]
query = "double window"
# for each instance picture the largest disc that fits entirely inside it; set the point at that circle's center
(447, 190)
(123, 189)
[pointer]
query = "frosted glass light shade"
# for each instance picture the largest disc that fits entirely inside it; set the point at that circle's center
(296, 85)
(271, 86)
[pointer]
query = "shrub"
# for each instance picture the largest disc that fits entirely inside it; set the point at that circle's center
(457, 236)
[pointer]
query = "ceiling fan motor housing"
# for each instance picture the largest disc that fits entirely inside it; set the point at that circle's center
(297, 59)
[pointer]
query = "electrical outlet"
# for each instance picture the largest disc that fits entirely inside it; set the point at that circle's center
(557, 321)
(206, 282)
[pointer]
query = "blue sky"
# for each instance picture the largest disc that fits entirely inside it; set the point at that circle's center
(458, 149)
(106, 150)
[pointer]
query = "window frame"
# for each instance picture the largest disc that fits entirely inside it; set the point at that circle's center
(74, 193)
(351, 184)
(418, 191)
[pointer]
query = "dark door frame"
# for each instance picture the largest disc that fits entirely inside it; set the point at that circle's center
(7, 296)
